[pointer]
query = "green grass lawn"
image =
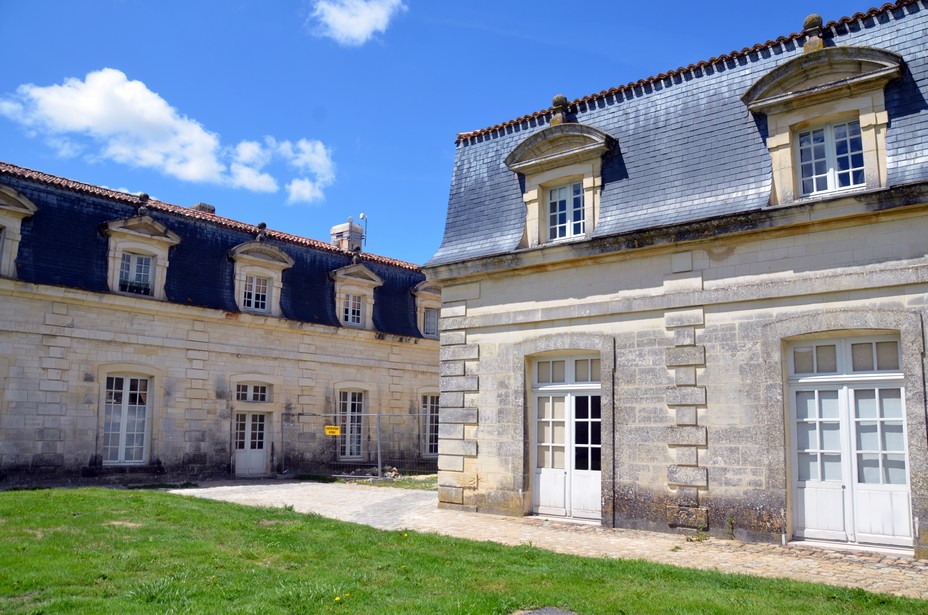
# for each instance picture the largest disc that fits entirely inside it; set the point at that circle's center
(119, 551)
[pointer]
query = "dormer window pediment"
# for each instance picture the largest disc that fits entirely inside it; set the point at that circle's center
(820, 76)
(261, 254)
(558, 146)
(142, 227)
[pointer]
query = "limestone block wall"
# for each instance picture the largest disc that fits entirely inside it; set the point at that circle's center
(57, 345)
(696, 336)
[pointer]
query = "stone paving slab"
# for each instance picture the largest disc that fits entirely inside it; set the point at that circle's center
(389, 508)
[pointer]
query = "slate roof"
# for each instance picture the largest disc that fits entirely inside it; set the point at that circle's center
(689, 149)
(62, 245)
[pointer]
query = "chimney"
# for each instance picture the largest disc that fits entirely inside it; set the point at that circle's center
(204, 207)
(347, 236)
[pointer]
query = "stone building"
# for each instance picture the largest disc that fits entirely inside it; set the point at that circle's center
(697, 300)
(142, 337)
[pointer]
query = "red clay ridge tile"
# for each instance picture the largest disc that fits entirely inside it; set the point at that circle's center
(889, 6)
(69, 184)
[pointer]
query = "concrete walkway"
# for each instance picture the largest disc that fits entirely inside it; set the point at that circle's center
(393, 509)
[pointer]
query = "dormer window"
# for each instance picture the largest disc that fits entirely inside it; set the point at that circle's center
(831, 158)
(566, 213)
(826, 120)
(138, 256)
(14, 207)
(135, 274)
(562, 167)
(259, 268)
(428, 308)
(354, 295)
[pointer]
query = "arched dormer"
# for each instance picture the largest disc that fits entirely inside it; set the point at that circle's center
(137, 260)
(13, 208)
(562, 166)
(259, 268)
(354, 295)
(826, 121)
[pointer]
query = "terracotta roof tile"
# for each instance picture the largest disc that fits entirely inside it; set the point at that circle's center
(466, 136)
(69, 184)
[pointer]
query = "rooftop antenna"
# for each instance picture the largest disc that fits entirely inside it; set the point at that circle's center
(363, 216)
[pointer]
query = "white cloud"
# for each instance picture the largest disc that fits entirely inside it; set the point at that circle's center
(107, 116)
(354, 22)
(303, 191)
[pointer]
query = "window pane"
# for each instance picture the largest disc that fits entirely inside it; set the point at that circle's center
(581, 458)
(595, 463)
(544, 432)
(808, 466)
(831, 467)
(887, 355)
(828, 402)
(891, 403)
(544, 460)
(581, 433)
(894, 470)
(582, 407)
(806, 436)
(868, 469)
(831, 436)
(802, 360)
(893, 437)
(582, 367)
(596, 429)
(862, 357)
(867, 437)
(543, 411)
(594, 370)
(826, 359)
(865, 403)
(805, 404)
(544, 371)
(558, 405)
(557, 371)
(559, 432)
(595, 407)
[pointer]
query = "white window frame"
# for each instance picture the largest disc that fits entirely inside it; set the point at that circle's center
(428, 308)
(351, 406)
(256, 293)
(139, 236)
(430, 410)
(355, 280)
(14, 207)
(566, 216)
(256, 260)
(253, 392)
(136, 272)
(825, 168)
(352, 309)
(153, 376)
(430, 322)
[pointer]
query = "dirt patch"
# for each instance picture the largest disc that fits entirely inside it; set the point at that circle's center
(124, 524)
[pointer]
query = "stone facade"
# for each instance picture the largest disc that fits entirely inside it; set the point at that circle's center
(61, 344)
(697, 288)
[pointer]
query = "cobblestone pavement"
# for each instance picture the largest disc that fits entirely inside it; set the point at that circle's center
(392, 509)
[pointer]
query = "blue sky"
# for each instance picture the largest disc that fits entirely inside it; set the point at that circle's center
(300, 113)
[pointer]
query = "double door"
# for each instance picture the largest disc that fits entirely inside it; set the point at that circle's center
(566, 457)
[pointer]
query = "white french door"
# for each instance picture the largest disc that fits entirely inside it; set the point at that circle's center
(567, 438)
(250, 444)
(850, 479)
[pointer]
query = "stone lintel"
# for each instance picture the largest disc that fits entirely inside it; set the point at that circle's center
(677, 356)
(689, 435)
(468, 416)
(688, 476)
(688, 317)
(459, 383)
(686, 396)
(463, 352)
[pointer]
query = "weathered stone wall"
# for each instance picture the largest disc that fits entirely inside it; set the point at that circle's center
(57, 345)
(695, 334)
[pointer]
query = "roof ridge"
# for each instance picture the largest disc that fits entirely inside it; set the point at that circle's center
(63, 182)
(466, 136)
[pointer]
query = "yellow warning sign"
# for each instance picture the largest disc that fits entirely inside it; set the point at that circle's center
(333, 430)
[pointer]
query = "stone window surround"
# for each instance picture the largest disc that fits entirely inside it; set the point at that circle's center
(828, 86)
(776, 339)
(155, 402)
(428, 297)
(356, 280)
(143, 236)
(555, 156)
(260, 259)
(14, 207)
